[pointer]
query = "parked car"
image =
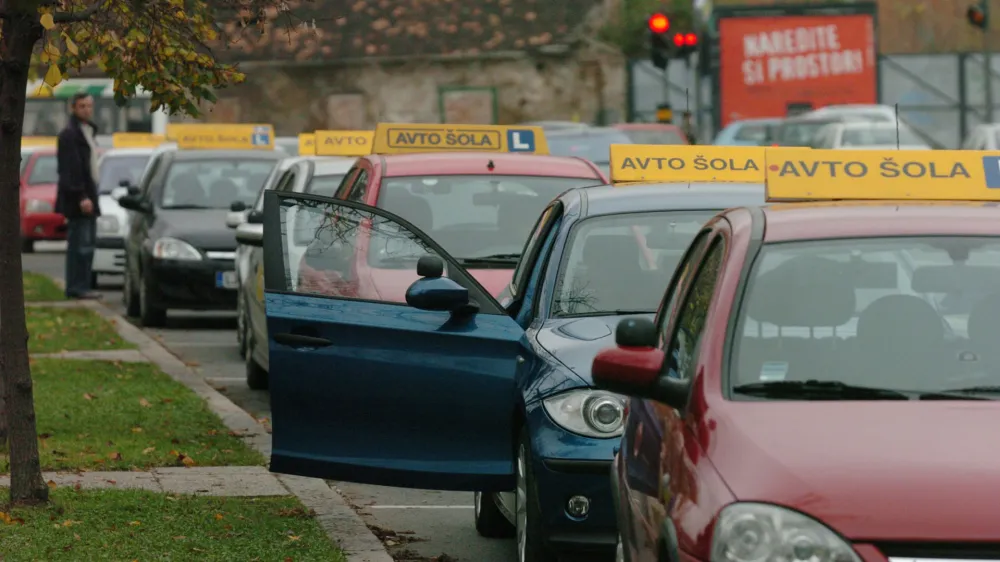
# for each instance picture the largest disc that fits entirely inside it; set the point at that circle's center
(985, 136)
(593, 144)
(652, 133)
(118, 170)
(868, 136)
(748, 132)
(39, 220)
(799, 131)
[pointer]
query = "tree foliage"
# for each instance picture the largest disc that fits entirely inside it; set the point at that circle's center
(627, 28)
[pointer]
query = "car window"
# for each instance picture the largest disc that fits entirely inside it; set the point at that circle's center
(757, 133)
(602, 251)
(359, 190)
(689, 327)
(324, 185)
(595, 147)
(45, 170)
(654, 136)
(901, 313)
(854, 136)
(800, 133)
(286, 181)
(523, 268)
(114, 169)
(677, 284)
(214, 184)
(474, 216)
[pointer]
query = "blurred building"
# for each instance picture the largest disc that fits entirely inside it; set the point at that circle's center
(470, 61)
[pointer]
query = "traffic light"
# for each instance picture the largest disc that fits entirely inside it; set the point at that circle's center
(659, 46)
(977, 15)
(685, 44)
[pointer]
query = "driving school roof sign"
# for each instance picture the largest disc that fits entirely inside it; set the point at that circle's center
(410, 138)
(632, 163)
(137, 140)
(796, 175)
(307, 144)
(222, 137)
(344, 143)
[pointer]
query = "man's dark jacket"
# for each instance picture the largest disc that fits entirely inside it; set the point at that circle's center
(75, 178)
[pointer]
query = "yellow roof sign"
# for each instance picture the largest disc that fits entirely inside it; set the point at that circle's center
(409, 138)
(38, 141)
(137, 140)
(930, 175)
(214, 136)
(658, 163)
(307, 144)
(344, 143)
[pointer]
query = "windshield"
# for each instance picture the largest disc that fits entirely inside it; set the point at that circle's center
(474, 216)
(875, 136)
(595, 147)
(214, 184)
(618, 263)
(654, 136)
(115, 169)
(47, 116)
(324, 185)
(799, 134)
(45, 170)
(909, 314)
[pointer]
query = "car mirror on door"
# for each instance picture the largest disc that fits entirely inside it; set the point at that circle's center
(119, 192)
(634, 366)
(134, 203)
(434, 292)
(255, 217)
(237, 207)
(235, 218)
(250, 234)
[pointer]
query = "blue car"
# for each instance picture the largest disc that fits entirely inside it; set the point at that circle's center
(394, 366)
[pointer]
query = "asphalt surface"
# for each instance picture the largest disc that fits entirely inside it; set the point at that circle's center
(416, 525)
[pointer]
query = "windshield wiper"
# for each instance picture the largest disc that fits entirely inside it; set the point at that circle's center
(186, 207)
(967, 393)
(494, 257)
(818, 390)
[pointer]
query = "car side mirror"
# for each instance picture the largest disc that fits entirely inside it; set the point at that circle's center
(235, 218)
(255, 217)
(434, 292)
(134, 203)
(119, 192)
(250, 234)
(237, 206)
(634, 366)
(124, 183)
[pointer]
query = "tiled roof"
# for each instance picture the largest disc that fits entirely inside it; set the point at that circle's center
(355, 29)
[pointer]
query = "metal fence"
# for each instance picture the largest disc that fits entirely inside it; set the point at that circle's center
(940, 95)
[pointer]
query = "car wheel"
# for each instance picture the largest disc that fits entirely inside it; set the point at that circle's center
(241, 325)
(490, 521)
(27, 246)
(150, 315)
(531, 545)
(257, 377)
(130, 297)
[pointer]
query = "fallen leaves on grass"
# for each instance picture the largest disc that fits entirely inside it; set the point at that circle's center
(6, 519)
(145, 403)
(52, 484)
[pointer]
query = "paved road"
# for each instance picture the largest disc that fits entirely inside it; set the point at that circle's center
(416, 524)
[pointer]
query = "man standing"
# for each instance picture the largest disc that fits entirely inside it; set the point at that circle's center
(76, 198)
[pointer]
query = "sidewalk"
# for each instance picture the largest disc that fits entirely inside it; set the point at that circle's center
(342, 524)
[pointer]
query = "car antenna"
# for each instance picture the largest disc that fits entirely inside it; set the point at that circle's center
(896, 109)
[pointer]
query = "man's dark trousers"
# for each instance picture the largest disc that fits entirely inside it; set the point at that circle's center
(81, 234)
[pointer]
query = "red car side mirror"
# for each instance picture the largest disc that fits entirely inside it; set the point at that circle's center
(627, 369)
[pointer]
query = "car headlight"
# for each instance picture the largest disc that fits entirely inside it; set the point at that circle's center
(37, 206)
(756, 532)
(174, 249)
(107, 225)
(593, 413)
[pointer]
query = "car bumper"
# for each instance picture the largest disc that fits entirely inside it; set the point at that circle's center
(567, 465)
(109, 256)
(190, 285)
(43, 226)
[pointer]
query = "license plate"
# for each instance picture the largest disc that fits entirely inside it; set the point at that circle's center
(225, 279)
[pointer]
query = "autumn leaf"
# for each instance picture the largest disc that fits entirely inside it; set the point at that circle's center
(187, 461)
(88, 396)
(116, 456)
(137, 429)
(52, 484)
(148, 450)
(144, 403)
(293, 538)
(135, 523)
(219, 516)
(47, 21)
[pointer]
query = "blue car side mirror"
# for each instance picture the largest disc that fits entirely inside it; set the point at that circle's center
(433, 292)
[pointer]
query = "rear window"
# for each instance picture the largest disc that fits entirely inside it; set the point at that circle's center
(655, 136)
(45, 170)
(324, 185)
(115, 169)
(214, 184)
(911, 314)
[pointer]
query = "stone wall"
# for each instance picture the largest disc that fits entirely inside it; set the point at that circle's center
(305, 98)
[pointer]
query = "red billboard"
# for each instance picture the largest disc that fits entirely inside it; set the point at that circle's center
(780, 65)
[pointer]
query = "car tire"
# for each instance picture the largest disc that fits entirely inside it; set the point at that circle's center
(27, 246)
(490, 521)
(241, 325)
(530, 537)
(130, 296)
(149, 315)
(257, 377)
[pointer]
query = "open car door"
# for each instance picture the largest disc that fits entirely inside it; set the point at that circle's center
(365, 387)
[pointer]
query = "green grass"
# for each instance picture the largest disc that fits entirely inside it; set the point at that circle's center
(40, 288)
(102, 415)
(123, 525)
(52, 330)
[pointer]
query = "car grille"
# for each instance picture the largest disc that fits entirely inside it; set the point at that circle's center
(908, 551)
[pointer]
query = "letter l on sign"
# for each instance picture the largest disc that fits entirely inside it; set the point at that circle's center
(520, 141)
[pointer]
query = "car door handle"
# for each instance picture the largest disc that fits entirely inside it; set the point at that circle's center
(299, 340)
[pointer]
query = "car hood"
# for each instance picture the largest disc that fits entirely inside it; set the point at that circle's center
(869, 470)
(43, 191)
(576, 341)
(203, 228)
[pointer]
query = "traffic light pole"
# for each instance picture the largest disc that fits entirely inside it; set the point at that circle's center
(987, 67)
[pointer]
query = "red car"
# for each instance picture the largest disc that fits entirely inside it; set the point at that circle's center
(652, 133)
(822, 378)
(480, 206)
(39, 221)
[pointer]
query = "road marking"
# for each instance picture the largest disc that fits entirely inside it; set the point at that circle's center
(419, 507)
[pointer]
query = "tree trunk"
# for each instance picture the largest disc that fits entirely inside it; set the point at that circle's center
(20, 31)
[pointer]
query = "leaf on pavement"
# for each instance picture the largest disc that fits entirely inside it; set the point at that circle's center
(144, 403)
(186, 460)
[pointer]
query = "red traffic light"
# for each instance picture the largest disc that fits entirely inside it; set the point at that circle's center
(679, 39)
(690, 40)
(976, 16)
(659, 23)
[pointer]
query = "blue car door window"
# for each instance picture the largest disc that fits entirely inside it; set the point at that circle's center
(530, 292)
(366, 388)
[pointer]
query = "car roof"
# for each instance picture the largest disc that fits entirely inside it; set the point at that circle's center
(185, 155)
(585, 132)
(865, 219)
(327, 165)
(129, 152)
(645, 126)
(610, 200)
(459, 163)
(755, 121)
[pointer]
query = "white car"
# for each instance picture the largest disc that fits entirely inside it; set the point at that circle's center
(868, 136)
(983, 137)
(119, 169)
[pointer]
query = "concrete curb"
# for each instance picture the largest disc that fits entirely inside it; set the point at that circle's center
(342, 524)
